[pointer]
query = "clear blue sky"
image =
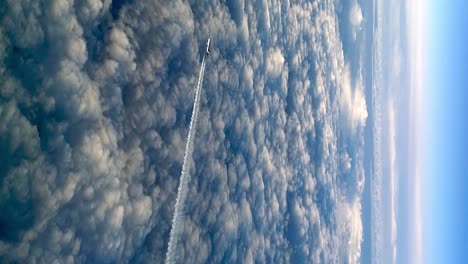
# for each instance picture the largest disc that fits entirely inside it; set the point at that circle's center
(446, 141)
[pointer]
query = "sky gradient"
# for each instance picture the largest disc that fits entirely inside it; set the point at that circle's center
(445, 120)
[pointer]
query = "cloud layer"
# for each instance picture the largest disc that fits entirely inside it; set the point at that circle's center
(94, 108)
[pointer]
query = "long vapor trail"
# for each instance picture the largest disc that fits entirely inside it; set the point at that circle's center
(184, 176)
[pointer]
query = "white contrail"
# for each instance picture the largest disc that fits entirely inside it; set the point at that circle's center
(184, 176)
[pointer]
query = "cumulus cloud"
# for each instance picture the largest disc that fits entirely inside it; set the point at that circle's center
(274, 63)
(94, 108)
(355, 17)
(353, 100)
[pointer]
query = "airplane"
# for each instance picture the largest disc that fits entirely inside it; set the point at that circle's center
(208, 47)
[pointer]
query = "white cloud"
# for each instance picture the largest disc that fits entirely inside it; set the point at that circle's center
(393, 178)
(355, 18)
(97, 137)
(353, 101)
(274, 63)
(355, 15)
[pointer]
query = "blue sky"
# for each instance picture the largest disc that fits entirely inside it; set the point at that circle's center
(431, 203)
(446, 121)
(420, 147)
(429, 193)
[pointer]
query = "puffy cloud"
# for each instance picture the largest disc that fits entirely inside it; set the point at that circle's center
(94, 110)
(274, 63)
(353, 101)
(355, 18)
(355, 15)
